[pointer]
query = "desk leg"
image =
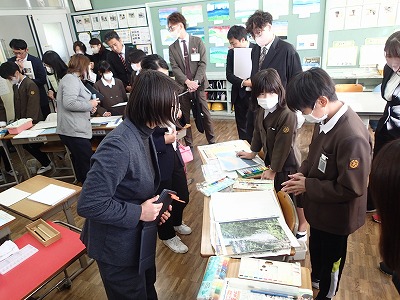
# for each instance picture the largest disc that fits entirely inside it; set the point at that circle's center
(5, 147)
(21, 156)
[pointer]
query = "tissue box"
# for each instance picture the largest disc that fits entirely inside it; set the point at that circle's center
(300, 252)
(19, 126)
(43, 232)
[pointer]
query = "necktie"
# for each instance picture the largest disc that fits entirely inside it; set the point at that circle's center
(187, 62)
(262, 56)
(121, 57)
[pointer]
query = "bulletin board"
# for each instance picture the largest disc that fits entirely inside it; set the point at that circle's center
(298, 23)
(356, 31)
(130, 23)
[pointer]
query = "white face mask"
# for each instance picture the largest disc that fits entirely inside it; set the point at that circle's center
(95, 50)
(78, 52)
(14, 80)
(175, 34)
(108, 76)
(135, 67)
(49, 70)
(268, 103)
(312, 119)
(262, 40)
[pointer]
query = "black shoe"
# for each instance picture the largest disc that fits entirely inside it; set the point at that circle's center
(385, 269)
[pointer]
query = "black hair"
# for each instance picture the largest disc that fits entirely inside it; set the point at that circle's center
(267, 81)
(392, 45)
(103, 67)
(80, 45)
(237, 32)
(175, 18)
(111, 35)
(54, 60)
(153, 97)
(305, 88)
(96, 41)
(18, 44)
(136, 56)
(8, 69)
(153, 62)
(258, 20)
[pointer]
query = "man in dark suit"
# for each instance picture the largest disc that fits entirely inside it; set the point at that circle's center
(119, 58)
(240, 97)
(187, 56)
(20, 50)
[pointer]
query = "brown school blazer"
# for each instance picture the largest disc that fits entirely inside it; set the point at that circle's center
(336, 201)
(197, 68)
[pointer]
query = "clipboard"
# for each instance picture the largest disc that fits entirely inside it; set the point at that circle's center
(92, 90)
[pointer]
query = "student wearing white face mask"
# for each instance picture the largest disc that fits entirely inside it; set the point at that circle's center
(113, 91)
(135, 57)
(275, 128)
(99, 53)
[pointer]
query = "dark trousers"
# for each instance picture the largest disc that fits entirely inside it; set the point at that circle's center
(45, 109)
(251, 116)
(34, 150)
(81, 152)
(177, 183)
(241, 108)
(327, 255)
(6, 162)
(186, 106)
(123, 283)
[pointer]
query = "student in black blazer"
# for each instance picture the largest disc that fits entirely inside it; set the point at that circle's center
(100, 53)
(121, 70)
(240, 98)
(20, 50)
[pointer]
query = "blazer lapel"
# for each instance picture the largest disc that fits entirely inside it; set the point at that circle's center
(177, 49)
(270, 54)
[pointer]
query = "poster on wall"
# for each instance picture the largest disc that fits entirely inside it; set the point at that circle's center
(104, 22)
(163, 14)
(217, 35)
(145, 48)
(353, 17)
(276, 8)
(124, 34)
(141, 17)
(336, 18)
(122, 19)
(131, 16)
(307, 42)
(304, 8)
(217, 12)
(218, 55)
(369, 15)
(113, 19)
(78, 21)
(166, 37)
(387, 14)
(95, 18)
(140, 35)
(196, 31)
(193, 14)
(245, 8)
(281, 29)
(87, 23)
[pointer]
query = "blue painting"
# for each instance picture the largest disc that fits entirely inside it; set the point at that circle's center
(196, 31)
(218, 11)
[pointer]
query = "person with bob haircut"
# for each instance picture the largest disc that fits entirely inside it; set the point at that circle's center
(118, 196)
(55, 69)
(385, 192)
(172, 170)
(135, 57)
(332, 181)
(74, 105)
(100, 53)
(113, 91)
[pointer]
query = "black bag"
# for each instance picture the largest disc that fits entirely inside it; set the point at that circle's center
(197, 112)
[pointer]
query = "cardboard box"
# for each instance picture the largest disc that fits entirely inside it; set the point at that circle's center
(43, 232)
(19, 126)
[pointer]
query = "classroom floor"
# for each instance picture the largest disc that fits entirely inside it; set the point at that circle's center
(179, 275)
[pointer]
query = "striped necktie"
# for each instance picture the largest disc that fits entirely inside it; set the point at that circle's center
(121, 57)
(262, 57)
(187, 62)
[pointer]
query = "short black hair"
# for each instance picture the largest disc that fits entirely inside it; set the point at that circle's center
(112, 34)
(52, 59)
(258, 20)
(8, 69)
(306, 87)
(80, 45)
(267, 81)
(96, 41)
(152, 99)
(153, 62)
(136, 56)
(237, 32)
(104, 66)
(18, 44)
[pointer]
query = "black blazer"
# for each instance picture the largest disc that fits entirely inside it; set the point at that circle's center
(237, 90)
(40, 77)
(118, 68)
(98, 57)
(281, 56)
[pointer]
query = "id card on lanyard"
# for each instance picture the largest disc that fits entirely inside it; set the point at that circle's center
(322, 163)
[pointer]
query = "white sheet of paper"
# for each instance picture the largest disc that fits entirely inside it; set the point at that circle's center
(51, 194)
(120, 104)
(5, 217)
(242, 62)
(44, 125)
(11, 196)
(28, 134)
(103, 120)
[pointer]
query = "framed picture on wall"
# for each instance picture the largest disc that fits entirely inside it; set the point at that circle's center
(81, 5)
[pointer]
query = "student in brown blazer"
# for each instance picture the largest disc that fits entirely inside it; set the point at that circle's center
(193, 76)
(332, 180)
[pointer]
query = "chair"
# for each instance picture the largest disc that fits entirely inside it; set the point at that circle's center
(289, 211)
(349, 87)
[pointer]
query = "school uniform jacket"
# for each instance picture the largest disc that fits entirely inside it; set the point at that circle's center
(238, 92)
(27, 101)
(276, 134)
(119, 181)
(335, 200)
(114, 95)
(197, 68)
(281, 56)
(118, 68)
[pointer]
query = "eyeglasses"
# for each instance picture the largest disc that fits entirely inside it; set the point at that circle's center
(171, 28)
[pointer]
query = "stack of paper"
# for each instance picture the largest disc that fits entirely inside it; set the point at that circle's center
(51, 194)
(11, 196)
(5, 217)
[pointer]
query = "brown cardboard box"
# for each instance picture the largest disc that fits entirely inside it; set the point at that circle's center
(43, 232)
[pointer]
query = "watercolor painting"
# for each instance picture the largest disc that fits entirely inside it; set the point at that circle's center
(218, 11)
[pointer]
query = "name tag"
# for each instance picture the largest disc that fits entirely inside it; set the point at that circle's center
(38, 139)
(99, 132)
(195, 57)
(322, 163)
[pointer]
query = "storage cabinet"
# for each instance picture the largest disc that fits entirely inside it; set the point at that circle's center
(219, 95)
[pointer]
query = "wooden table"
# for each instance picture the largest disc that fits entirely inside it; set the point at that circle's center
(33, 210)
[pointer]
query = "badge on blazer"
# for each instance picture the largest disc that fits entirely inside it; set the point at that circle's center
(354, 164)
(32, 92)
(285, 129)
